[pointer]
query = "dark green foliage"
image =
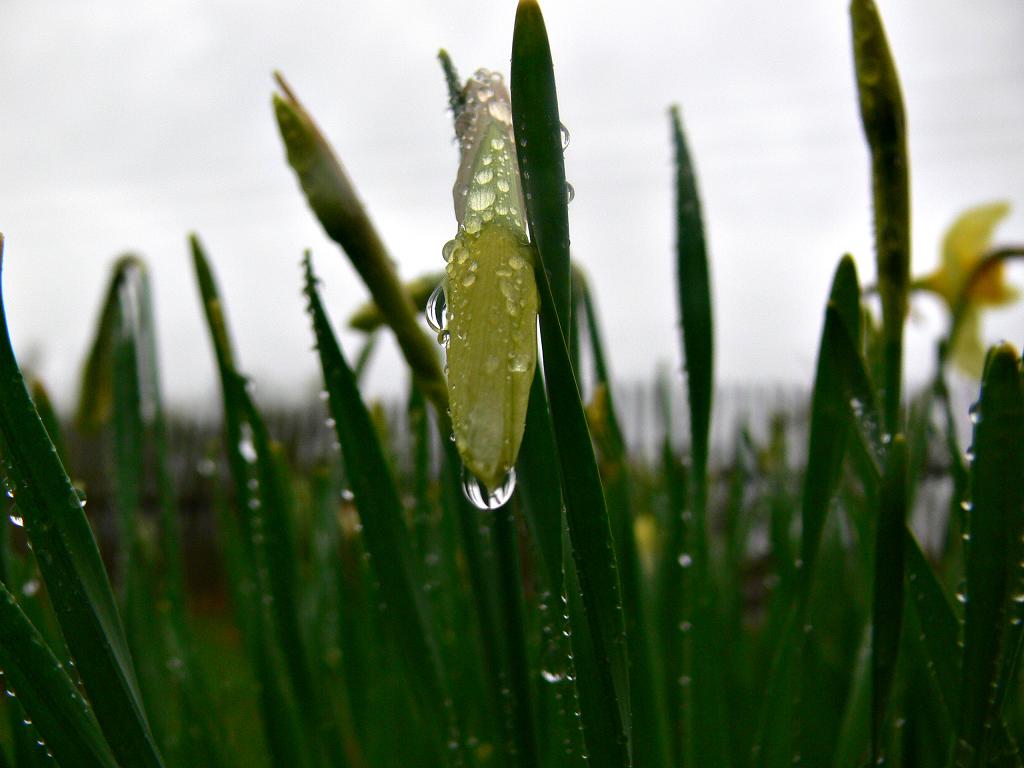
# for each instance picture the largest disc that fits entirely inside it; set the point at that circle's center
(778, 605)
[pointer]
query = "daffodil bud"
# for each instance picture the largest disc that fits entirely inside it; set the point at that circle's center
(490, 291)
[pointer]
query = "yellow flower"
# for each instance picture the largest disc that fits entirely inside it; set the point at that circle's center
(965, 245)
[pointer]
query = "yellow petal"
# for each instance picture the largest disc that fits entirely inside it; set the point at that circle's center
(968, 353)
(990, 289)
(965, 243)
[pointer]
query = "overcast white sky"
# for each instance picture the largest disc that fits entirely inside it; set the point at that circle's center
(125, 125)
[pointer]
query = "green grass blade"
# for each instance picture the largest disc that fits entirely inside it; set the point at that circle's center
(539, 149)
(887, 612)
(124, 355)
(829, 425)
(510, 588)
(48, 415)
(57, 711)
(694, 288)
(857, 388)
(96, 390)
(384, 532)
(269, 643)
(535, 118)
(882, 115)
(537, 469)
(590, 537)
(854, 738)
(940, 629)
(71, 567)
(995, 528)
(707, 735)
(650, 727)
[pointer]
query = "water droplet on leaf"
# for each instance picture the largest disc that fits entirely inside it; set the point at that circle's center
(480, 497)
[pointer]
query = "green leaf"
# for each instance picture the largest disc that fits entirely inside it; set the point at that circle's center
(703, 648)
(510, 587)
(384, 532)
(855, 731)
(881, 110)
(71, 567)
(265, 549)
(694, 287)
(887, 612)
(650, 726)
(535, 118)
(58, 712)
(856, 387)
(993, 576)
(539, 146)
(829, 424)
(940, 630)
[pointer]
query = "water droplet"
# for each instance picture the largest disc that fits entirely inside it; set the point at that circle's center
(472, 225)
(570, 192)
(565, 136)
(497, 143)
(30, 588)
(975, 412)
(969, 454)
(347, 495)
(469, 279)
(245, 444)
(685, 560)
(519, 363)
(17, 520)
(484, 176)
(503, 185)
(966, 505)
(500, 111)
(480, 497)
(435, 311)
(480, 198)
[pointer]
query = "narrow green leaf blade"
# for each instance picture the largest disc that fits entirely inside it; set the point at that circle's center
(650, 718)
(538, 136)
(887, 612)
(60, 715)
(694, 289)
(288, 734)
(71, 567)
(539, 148)
(829, 424)
(384, 531)
(940, 630)
(994, 525)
